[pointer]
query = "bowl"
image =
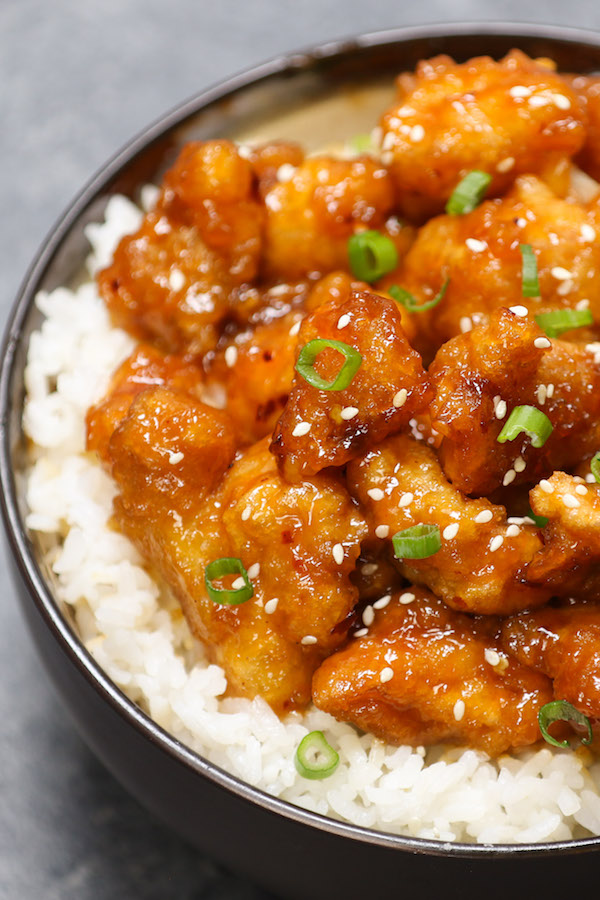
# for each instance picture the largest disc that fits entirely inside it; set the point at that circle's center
(290, 851)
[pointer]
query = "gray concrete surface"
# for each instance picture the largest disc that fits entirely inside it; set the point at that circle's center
(77, 79)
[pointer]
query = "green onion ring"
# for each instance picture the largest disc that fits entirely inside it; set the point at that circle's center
(595, 466)
(417, 542)
(371, 255)
(529, 272)
(306, 360)
(560, 320)
(410, 302)
(530, 420)
(227, 565)
(315, 758)
(468, 193)
(540, 521)
(562, 711)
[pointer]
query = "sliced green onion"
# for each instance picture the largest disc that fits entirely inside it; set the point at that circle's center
(562, 711)
(315, 758)
(227, 565)
(529, 272)
(540, 521)
(371, 255)
(530, 420)
(595, 466)
(308, 356)
(559, 320)
(417, 542)
(361, 143)
(468, 193)
(410, 302)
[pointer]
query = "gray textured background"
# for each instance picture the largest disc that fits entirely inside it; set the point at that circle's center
(77, 79)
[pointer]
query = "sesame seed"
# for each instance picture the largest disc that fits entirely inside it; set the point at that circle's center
(486, 515)
(513, 531)
(581, 490)
(361, 632)
(519, 310)
(496, 543)
(491, 656)
(542, 343)
(285, 172)
(546, 486)
(254, 570)
(505, 165)
(582, 304)
(271, 605)
(465, 324)
(538, 100)
(587, 232)
(406, 499)
(400, 398)
(560, 101)
(238, 583)
(349, 412)
(338, 553)
(308, 639)
(519, 90)
(231, 355)
(459, 710)
(476, 246)
(176, 279)
(407, 597)
(375, 494)
(450, 531)
(509, 477)
(386, 674)
(246, 513)
(542, 393)
(417, 133)
(519, 464)
(591, 479)
(368, 616)
(382, 602)
(389, 141)
(501, 409)
(560, 273)
(369, 568)
(382, 531)
(301, 429)
(565, 287)
(295, 328)
(176, 457)
(550, 390)
(570, 501)
(343, 321)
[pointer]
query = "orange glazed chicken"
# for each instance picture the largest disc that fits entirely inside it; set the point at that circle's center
(352, 371)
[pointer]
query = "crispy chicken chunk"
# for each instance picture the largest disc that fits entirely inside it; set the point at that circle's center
(169, 458)
(506, 118)
(587, 88)
(425, 674)
(563, 643)
(171, 281)
(481, 376)
(482, 564)
(320, 428)
(478, 254)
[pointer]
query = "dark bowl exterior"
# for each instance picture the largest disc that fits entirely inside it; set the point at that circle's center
(294, 853)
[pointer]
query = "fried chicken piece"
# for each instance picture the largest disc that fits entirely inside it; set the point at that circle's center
(569, 561)
(481, 376)
(505, 118)
(171, 281)
(563, 643)
(311, 215)
(184, 505)
(587, 88)
(320, 428)
(478, 254)
(425, 674)
(144, 368)
(482, 564)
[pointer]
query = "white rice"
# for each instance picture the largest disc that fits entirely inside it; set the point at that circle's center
(132, 629)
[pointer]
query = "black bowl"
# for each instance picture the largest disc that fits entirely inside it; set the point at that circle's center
(294, 853)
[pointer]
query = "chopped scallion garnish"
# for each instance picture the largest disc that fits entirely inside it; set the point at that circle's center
(540, 521)
(468, 193)
(371, 255)
(361, 143)
(595, 466)
(219, 568)
(529, 272)
(530, 420)
(417, 542)
(410, 302)
(308, 355)
(315, 758)
(558, 321)
(562, 711)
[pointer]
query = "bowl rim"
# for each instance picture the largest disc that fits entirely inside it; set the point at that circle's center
(39, 589)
